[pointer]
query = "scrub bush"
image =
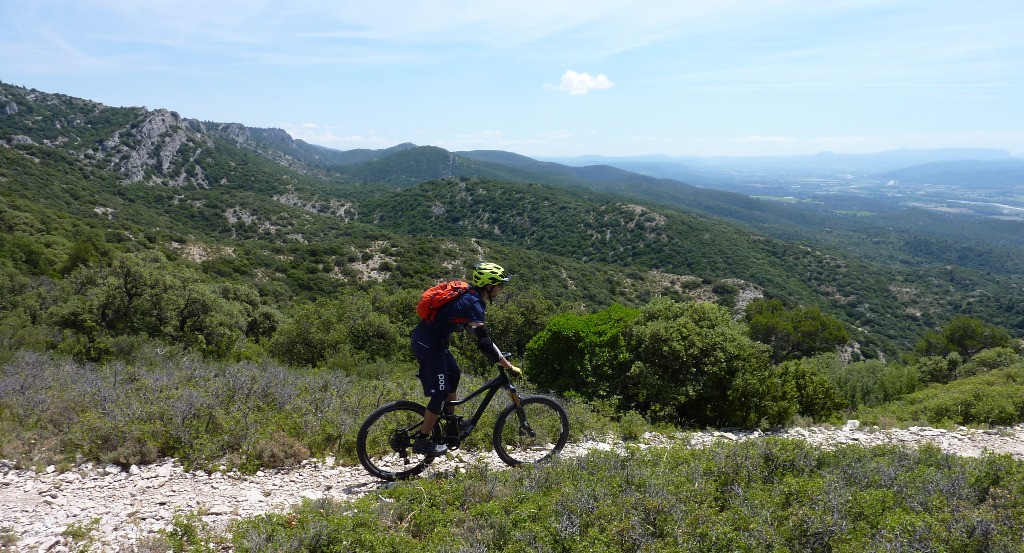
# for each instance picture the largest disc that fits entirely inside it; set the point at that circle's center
(681, 363)
(756, 496)
(994, 398)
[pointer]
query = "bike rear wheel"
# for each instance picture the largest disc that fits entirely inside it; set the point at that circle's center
(384, 442)
(533, 433)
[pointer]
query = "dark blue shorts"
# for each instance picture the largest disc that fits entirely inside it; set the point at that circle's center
(439, 373)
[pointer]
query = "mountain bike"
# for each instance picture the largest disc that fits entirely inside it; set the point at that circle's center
(531, 429)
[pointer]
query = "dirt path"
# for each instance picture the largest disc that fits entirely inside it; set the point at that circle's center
(125, 510)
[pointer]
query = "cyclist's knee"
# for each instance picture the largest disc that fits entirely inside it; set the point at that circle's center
(436, 402)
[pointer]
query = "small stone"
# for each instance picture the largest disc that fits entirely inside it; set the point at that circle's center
(219, 509)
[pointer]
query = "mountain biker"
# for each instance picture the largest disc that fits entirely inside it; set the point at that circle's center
(439, 373)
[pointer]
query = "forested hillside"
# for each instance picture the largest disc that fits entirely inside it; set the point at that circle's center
(141, 239)
(224, 182)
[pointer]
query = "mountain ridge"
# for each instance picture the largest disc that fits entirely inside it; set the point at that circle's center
(221, 186)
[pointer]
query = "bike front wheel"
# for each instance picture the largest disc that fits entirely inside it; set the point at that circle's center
(532, 433)
(384, 442)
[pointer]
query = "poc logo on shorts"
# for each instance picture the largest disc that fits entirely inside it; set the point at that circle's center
(440, 382)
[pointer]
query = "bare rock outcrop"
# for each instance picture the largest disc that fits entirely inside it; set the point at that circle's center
(162, 148)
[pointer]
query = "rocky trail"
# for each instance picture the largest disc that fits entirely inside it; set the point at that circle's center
(125, 510)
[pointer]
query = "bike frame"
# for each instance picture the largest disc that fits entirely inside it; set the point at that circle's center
(491, 387)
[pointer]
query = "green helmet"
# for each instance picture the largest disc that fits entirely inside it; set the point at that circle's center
(488, 273)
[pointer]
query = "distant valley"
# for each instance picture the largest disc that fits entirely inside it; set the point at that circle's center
(981, 183)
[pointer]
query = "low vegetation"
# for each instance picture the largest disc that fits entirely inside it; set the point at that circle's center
(756, 496)
(677, 364)
(244, 415)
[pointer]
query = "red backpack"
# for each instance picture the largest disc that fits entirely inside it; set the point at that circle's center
(437, 296)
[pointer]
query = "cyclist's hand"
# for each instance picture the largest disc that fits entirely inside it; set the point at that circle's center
(515, 370)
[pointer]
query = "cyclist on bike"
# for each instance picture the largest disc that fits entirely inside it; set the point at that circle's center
(439, 373)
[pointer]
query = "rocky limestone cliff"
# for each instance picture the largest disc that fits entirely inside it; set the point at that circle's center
(273, 144)
(155, 147)
(162, 148)
(165, 148)
(235, 132)
(274, 137)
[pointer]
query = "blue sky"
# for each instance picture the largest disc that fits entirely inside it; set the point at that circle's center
(548, 78)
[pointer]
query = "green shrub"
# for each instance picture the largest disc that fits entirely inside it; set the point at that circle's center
(8, 537)
(584, 354)
(964, 335)
(588, 420)
(320, 331)
(762, 397)
(817, 397)
(82, 535)
(873, 382)
(686, 360)
(676, 362)
(102, 307)
(936, 368)
(757, 496)
(515, 320)
(190, 534)
(795, 333)
(632, 425)
(987, 360)
(994, 397)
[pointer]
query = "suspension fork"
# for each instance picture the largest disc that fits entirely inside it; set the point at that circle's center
(524, 425)
(513, 394)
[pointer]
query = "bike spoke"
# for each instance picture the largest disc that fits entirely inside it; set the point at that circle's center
(385, 441)
(533, 433)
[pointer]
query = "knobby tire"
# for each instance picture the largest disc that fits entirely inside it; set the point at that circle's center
(384, 442)
(549, 423)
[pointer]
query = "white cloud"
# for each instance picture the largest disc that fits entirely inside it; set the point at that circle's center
(578, 84)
